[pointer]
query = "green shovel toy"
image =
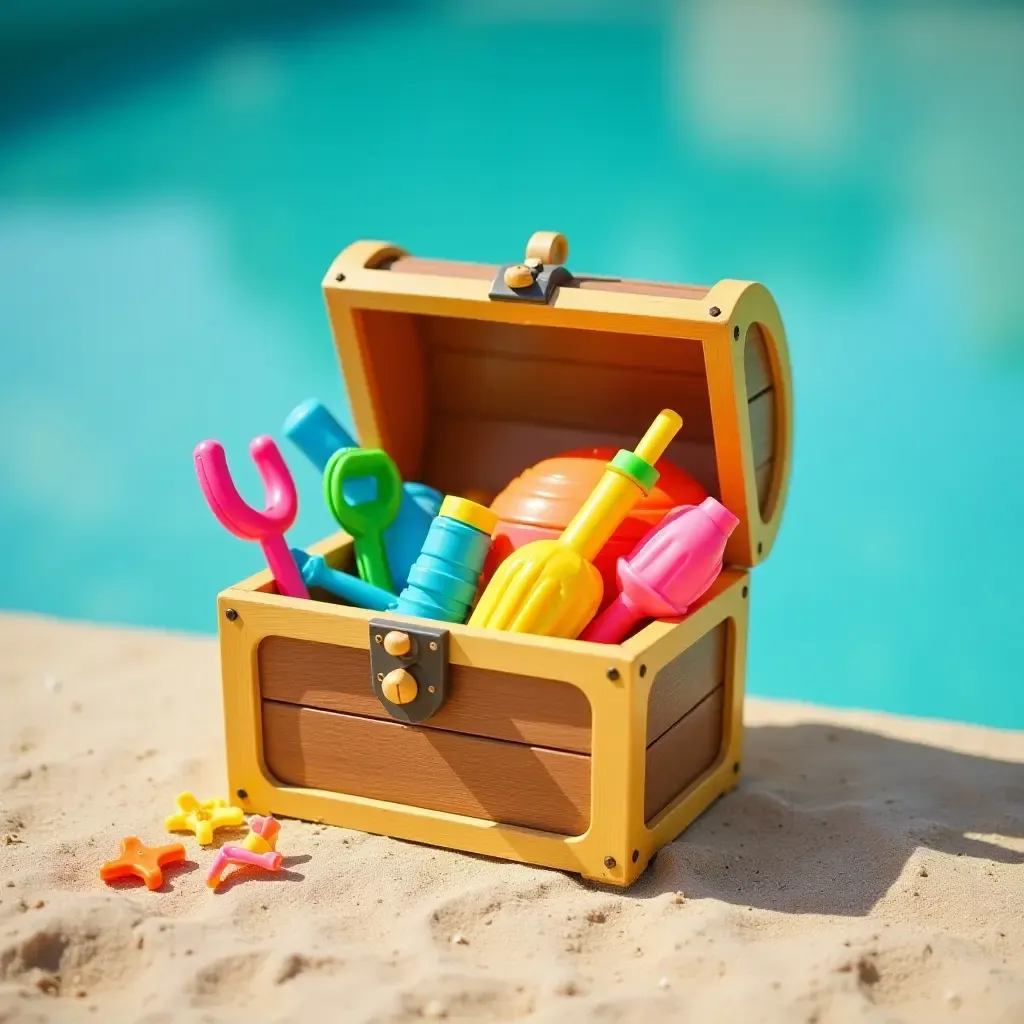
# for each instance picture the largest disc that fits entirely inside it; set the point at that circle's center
(365, 521)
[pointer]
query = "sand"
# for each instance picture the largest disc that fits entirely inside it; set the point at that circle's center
(869, 868)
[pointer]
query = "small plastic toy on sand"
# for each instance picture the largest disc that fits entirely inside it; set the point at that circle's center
(257, 850)
(203, 817)
(145, 862)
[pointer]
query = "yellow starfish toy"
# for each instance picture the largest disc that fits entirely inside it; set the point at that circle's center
(203, 818)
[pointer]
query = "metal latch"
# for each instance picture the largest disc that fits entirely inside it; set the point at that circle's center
(408, 668)
(537, 277)
(531, 281)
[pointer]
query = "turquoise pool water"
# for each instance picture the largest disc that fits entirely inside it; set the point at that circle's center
(164, 229)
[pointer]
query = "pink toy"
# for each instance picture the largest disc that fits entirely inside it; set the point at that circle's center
(257, 850)
(667, 571)
(235, 515)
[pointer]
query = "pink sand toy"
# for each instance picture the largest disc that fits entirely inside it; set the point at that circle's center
(237, 517)
(667, 571)
(257, 850)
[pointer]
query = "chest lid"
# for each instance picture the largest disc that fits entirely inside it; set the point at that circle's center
(468, 374)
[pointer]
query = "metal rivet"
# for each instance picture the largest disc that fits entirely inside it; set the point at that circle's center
(736, 768)
(378, 639)
(242, 794)
(609, 862)
(735, 334)
(431, 689)
(380, 677)
(643, 671)
(746, 590)
(760, 547)
(230, 614)
(340, 277)
(612, 673)
(433, 645)
(715, 311)
(636, 856)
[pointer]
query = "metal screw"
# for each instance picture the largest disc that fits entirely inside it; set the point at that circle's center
(736, 768)
(609, 862)
(340, 277)
(746, 590)
(433, 645)
(715, 311)
(378, 639)
(636, 856)
(230, 614)
(760, 547)
(380, 677)
(643, 671)
(612, 673)
(735, 334)
(242, 794)
(431, 689)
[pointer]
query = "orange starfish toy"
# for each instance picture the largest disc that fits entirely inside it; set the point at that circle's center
(144, 861)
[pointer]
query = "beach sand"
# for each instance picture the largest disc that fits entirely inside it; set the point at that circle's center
(869, 868)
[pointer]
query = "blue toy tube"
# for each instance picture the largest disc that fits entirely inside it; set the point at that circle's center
(317, 573)
(443, 581)
(318, 435)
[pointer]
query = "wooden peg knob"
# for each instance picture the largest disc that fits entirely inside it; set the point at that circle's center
(548, 246)
(399, 687)
(397, 643)
(518, 276)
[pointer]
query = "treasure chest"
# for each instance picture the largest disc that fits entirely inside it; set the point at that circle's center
(578, 756)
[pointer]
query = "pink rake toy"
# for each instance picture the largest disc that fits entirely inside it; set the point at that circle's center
(667, 571)
(237, 517)
(257, 850)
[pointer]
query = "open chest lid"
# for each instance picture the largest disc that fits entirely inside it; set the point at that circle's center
(468, 374)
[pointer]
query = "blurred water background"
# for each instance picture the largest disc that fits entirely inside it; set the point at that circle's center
(176, 176)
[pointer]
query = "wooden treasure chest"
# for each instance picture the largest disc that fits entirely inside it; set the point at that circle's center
(579, 756)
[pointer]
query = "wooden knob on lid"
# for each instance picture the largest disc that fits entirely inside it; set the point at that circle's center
(399, 687)
(518, 276)
(548, 247)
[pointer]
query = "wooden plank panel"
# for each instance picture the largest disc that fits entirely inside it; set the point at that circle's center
(393, 354)
(756, 364)
(443, 771)
(537, 341)
(685, 681)
(465, 455)
(762, 426)
(500, 705)
(764, 483)
(501, 387)
(673, 291)
(683, 754)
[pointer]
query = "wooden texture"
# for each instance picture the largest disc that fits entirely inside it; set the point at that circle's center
(499, 705)
(685, 681)
(504, 782)
(393, 359)
(761, 411)
(486, 271)
(683, 754)
(492, 386)
(491, 453)
(757, 365)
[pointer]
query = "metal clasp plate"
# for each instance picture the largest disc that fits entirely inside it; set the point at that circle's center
(545, 280)
(408, 668)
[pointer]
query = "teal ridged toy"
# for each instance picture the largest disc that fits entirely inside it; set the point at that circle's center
(443, 581)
